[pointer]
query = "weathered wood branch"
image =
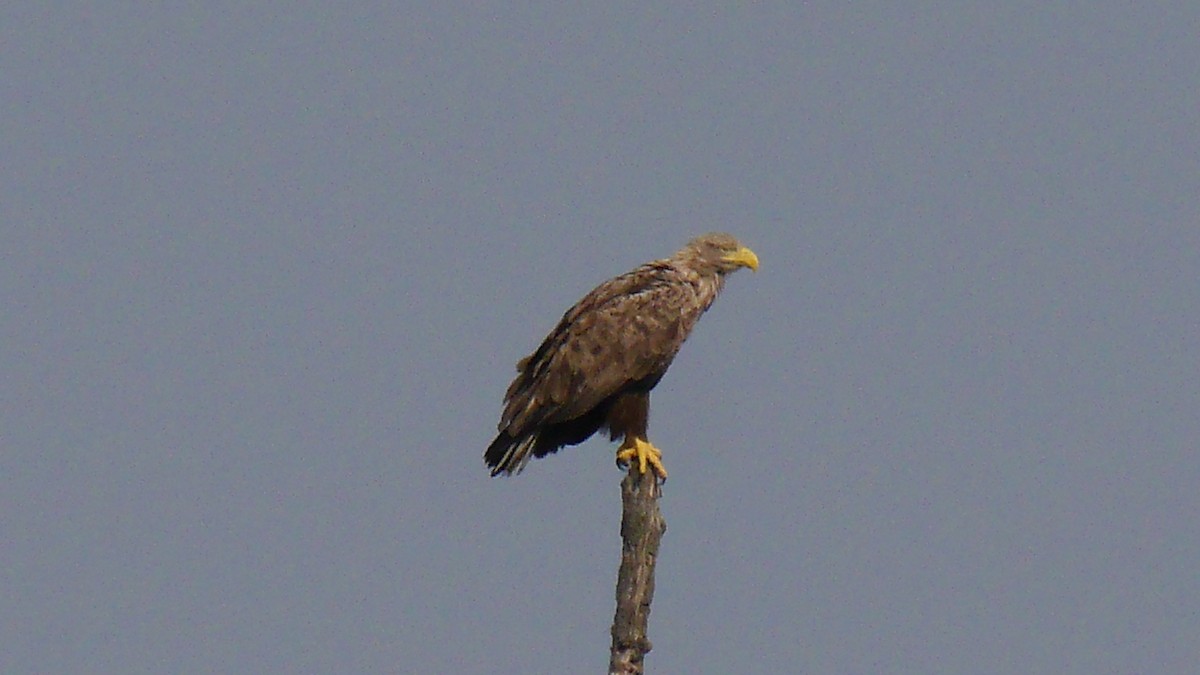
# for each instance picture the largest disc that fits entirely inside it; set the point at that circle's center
(642, 528)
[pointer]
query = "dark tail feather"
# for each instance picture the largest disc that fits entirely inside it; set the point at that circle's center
(509, 455)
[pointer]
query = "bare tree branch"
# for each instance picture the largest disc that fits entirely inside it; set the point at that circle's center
(642, 528)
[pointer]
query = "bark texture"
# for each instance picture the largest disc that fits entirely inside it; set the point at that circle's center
(642, 528)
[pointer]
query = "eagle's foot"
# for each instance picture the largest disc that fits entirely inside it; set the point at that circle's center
(647, 456)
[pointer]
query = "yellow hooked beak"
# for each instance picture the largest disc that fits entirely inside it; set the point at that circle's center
(744, 257)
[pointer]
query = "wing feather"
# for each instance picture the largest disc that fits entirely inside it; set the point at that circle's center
(626, 330)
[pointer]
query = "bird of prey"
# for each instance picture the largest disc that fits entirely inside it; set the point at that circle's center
(596, 368)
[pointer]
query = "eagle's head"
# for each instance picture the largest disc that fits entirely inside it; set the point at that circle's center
(718, 253)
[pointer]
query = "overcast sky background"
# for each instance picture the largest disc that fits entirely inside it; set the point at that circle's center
(267, 269)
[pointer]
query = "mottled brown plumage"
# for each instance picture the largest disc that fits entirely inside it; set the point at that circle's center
(596, 368)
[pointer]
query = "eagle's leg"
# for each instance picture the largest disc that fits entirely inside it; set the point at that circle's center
(646, 454)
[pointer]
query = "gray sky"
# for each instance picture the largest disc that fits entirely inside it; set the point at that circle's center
(267, 270)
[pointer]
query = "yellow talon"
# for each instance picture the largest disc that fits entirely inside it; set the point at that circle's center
(646, 454)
